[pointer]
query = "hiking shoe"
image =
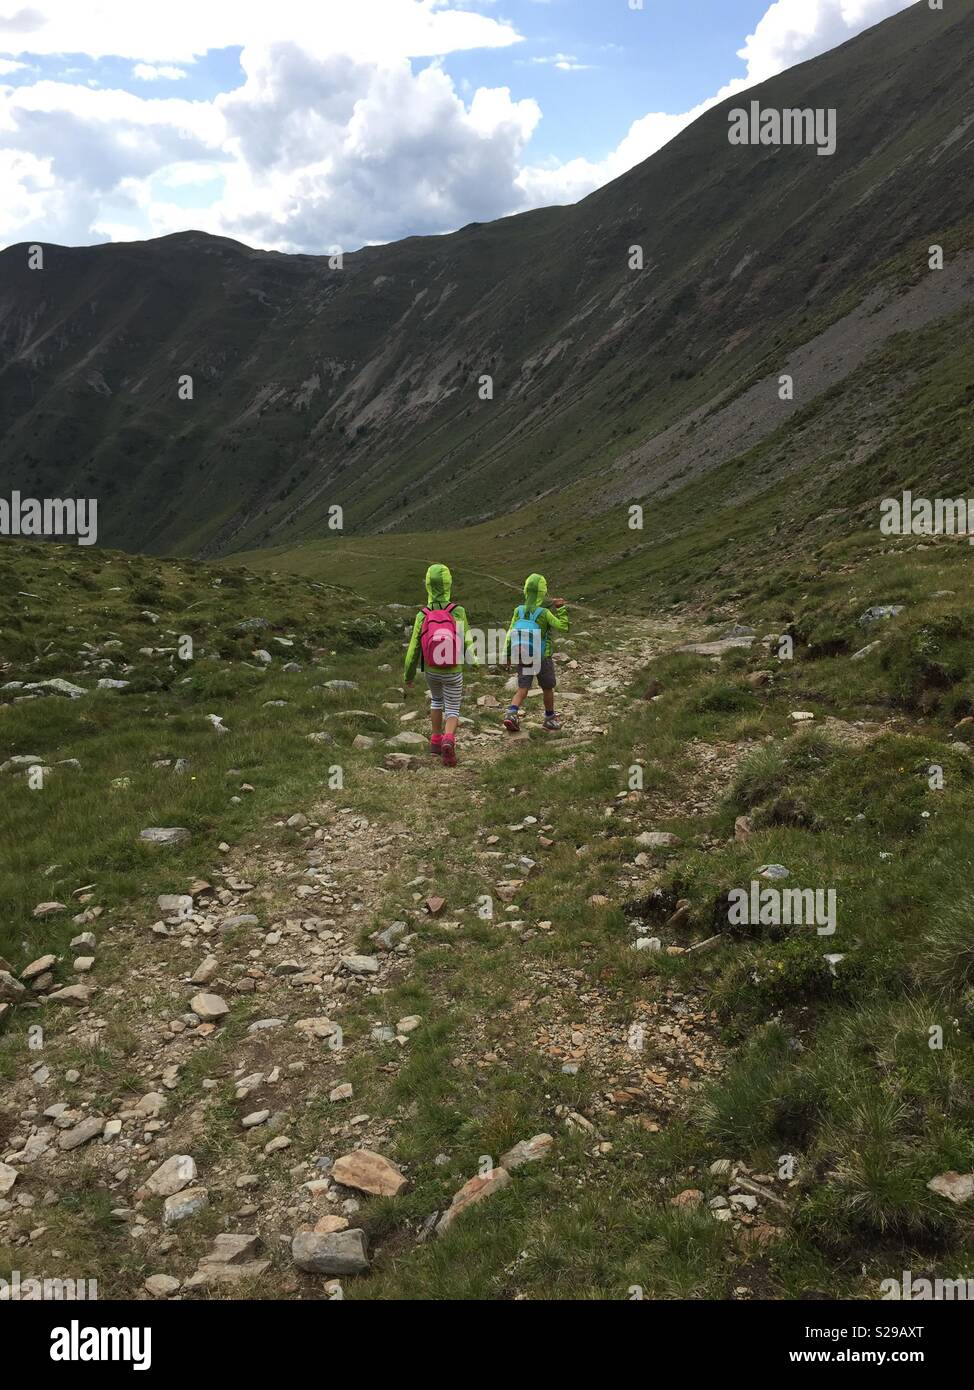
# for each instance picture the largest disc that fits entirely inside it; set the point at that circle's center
(551, 721)
(449, 753)
(436, 745)
(511, 721)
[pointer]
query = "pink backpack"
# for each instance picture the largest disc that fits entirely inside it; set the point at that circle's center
(439, 639)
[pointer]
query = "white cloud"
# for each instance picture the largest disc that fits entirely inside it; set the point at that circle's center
(6, 66)
(181, 30)
(792, 31)
(336, 152)
(564, 62)
(149, 72)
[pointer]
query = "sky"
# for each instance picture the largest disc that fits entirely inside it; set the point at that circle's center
(311, 125)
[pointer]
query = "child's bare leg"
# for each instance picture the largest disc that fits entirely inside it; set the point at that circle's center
(519, 696)
(451, 726)
(436, 715)
(549, 701)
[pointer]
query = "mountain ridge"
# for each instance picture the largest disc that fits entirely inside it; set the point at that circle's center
(315, 387)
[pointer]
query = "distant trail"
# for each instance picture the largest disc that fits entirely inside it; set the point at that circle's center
(482, 574)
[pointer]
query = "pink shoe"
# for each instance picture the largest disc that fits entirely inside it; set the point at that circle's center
(449, 753)
(436, 745)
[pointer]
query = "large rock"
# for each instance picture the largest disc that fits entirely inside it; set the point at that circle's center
(337, 1252)
(81, 1133)
(170, 1177)
(79, 995)
(369, 1172)
(175, 904)
(879, 613)
(20, 760)
(406, 739)
(59, 687)
(10, 988)
(476, 1190)
(167, 837)
(40, 966)
(210, 1007)
(8, 1176)
(956, 1187)
(360, 965)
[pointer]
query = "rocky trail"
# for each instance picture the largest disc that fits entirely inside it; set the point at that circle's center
(243, 1149)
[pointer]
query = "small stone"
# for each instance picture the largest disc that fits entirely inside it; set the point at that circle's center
(478, 1189)
(527, 1151)
(184, 1204)
(690, 1197)
(657, 839)
(161, 1285)
(205, 972)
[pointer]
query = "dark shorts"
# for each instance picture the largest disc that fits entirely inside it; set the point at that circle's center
(546, 675)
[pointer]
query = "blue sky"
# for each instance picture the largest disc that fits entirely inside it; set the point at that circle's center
(304, 126)
(670, 56)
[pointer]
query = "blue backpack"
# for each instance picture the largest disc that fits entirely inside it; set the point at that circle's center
(527, 639)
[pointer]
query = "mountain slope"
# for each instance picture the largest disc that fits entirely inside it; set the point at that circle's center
(359, 386)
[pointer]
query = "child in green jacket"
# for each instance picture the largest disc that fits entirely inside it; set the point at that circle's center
(445, 681)
(554, 615)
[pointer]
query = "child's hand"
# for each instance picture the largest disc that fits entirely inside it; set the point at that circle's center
(409, 685)
(556, 603)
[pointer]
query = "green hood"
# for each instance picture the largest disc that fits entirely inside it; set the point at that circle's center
(535, 589)
(439, 584)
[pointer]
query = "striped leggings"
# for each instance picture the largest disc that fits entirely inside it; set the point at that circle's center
(446, 691)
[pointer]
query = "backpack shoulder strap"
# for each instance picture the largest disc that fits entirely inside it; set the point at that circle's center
(449, 607)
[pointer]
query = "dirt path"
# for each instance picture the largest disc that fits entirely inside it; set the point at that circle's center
(257, 1105)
